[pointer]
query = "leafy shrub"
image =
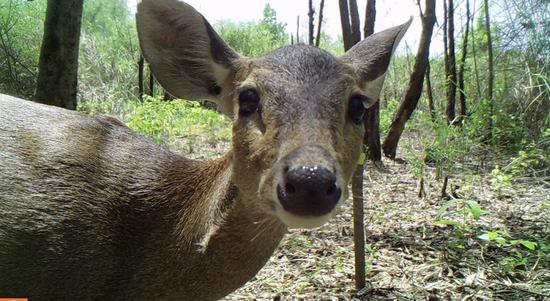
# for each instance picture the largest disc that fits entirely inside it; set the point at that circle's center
(254, 38)
(165, 121)
(386, 115)
(21, 28)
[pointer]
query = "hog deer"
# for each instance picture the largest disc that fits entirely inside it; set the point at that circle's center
(91, 210)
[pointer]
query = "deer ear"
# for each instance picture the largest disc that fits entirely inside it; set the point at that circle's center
(186, 55)
(371, 57)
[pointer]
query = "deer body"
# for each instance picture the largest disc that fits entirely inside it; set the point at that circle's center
(91, 210)
(160, 233)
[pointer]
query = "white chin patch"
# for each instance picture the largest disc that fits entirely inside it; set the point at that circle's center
(295, 221)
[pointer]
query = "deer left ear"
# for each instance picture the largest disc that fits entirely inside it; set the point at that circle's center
(186, 55)
(371, 57)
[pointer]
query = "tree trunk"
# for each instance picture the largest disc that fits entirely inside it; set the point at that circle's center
(298, 30)
(355, 22)
(371, 119)
(429, 92)
(461, 87)
(372, 114)
(319, 24)
(58, 65)
(370, 17)
(151, 83)
(474, 56)
(451, 82)
(359, 227)
(346, 27)
(446, 50)
(311, 28)
(416, 82)
(490, 62)
(350, 38)
(141, 66)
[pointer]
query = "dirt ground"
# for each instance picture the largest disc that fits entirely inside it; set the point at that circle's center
(408, 256)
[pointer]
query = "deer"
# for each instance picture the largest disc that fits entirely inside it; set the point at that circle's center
(91, 210)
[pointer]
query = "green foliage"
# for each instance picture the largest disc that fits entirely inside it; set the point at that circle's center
(463, 208)
(108, 53)
(254, 38)
(500, 181)
(448, 148)
(275, 28)
(332, 45)
(529, 161)
(519, 253)
(21, 28)
(461, 215)
(165, 121)
(387, 113)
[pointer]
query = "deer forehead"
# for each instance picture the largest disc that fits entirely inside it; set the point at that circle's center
(298, 79)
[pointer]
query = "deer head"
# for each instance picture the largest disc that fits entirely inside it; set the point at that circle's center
(297, 111)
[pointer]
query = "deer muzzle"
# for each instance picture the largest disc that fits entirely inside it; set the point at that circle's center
(308, 189)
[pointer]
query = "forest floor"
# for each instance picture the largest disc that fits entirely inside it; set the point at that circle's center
(409, 257)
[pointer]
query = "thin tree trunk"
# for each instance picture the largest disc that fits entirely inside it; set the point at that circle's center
(355, 22)
(141, 66)
(311, 27)
(319, 24)
(416, 83)
(444, 194)
(371, 118)
(357, 182)
(58, 64)
(446, 51)
(370, 17)
(429, 92)
(474, 56)
(461, 87)
(490, 62)
(298, 30)
(346, 27)
(421, 187)
(151, 83)
(350, 38)
(451, 83)
(359, 227)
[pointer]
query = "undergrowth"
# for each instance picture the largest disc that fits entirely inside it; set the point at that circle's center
(166, 121)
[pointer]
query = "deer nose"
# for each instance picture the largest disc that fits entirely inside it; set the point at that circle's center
(308, 191)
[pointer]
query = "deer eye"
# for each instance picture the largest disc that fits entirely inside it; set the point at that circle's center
(356, 108)
(249, 101)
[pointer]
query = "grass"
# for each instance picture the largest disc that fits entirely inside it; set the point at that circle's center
(167, 122)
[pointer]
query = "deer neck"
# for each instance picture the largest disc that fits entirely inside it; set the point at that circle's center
(209, 204)
(220, 234)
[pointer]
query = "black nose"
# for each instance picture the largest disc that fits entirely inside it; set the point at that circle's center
(308, 191)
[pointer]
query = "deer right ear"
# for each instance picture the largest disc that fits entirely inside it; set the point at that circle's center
(186, 55)
(371, 58)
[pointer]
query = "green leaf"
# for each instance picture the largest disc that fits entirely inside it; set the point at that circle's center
(528, 244)
(489, 236)
(447, 223)
(443, 210)
(500, 240)
(474, 208)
